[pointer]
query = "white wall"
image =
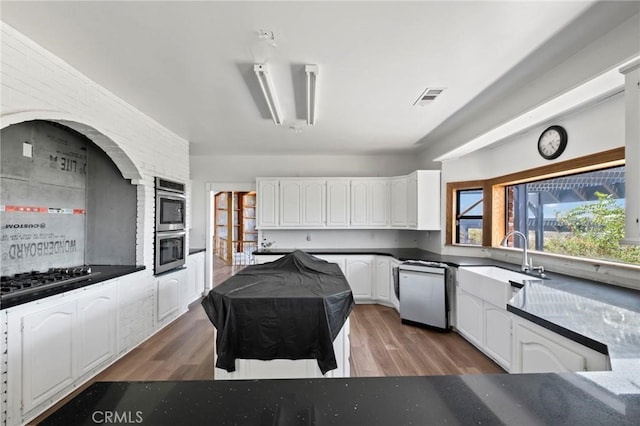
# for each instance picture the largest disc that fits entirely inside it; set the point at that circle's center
(594, 129)
(38, 85)
(245, 168)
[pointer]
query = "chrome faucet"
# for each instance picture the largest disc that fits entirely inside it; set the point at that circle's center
(526, 263)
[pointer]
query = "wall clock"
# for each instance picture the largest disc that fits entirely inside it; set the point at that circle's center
(552, 142)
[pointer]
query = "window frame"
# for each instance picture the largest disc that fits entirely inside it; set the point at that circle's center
(494, 192)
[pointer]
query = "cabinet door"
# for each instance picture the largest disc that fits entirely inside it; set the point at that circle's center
(412, 200)
(383, 280)
(497, 335)
(360, 274)
(195, 277)
(395, 302)
(313, 202)
(359, 202)
(290, 203)
(267, 202)
(97, 328)
(49, 360)
(168, 296)
(428, 199)
(338, 203)
(399, 202)
(469, 316)
(379, 203)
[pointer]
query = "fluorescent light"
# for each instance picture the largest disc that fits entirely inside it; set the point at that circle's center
(268, 91)
(312, 82)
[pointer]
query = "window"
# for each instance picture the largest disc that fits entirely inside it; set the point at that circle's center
(469, 216)
(580, 215)
(574, 208)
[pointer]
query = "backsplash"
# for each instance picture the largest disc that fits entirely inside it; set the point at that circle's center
(44, 180)
(337, 238)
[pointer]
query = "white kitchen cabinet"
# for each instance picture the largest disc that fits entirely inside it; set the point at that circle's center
(538, 350)
(383, 281)
(497, 334)
(338, 203)
(423, 200)
(395, 302)
(302, 203)
(399, 201)
(97, 323)
(360, 275)
(49, 352)
(290, 203)
(169, 295)
(370, 202)
(359, 202)
(469, 313)
(195, 277)
(314, 203)
(267, 202)
(412, 200)
(379, 202)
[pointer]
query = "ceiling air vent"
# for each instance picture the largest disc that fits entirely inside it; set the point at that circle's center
(428, 96)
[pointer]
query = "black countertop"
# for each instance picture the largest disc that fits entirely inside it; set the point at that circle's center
(519, 399)
(106, 272)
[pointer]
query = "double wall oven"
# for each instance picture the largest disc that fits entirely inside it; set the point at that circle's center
(170, 241)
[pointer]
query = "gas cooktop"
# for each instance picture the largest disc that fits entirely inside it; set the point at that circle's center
(29, 282)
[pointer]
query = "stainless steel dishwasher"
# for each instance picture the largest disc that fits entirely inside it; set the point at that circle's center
(423, 294)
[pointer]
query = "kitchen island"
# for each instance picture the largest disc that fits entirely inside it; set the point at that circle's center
(272, 319)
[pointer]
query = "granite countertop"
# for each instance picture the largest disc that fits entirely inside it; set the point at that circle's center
(196, 250)
(524, 399)
(106, 272)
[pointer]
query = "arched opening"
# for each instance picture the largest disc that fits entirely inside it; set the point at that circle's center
(69, 198)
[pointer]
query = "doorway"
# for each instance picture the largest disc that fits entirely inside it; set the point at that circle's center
(235, 237)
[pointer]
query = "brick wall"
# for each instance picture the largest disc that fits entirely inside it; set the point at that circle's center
(35, 84)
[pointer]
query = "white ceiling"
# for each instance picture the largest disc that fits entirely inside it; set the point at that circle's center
(189, 65)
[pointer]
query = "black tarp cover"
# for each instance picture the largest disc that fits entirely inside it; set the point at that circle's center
(292, 308)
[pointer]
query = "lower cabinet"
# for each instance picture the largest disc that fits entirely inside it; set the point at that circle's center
(383, 283)
(485, 325)
(195, 277)
(469, 317)
(497, 334)
(360, 274)
(170, 290)
(53, 345)
(538, 350)
(97, 329)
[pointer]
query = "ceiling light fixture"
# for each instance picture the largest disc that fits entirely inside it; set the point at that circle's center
(268, 91)
(312, 82)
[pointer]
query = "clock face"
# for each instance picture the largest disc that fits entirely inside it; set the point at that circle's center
(552, 142)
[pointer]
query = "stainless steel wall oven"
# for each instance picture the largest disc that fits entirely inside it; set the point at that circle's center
(170, 205)
(170, 235)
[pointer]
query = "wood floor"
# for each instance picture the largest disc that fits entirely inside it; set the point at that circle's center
(380, 346)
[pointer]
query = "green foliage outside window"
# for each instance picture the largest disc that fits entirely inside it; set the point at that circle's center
(595, 232)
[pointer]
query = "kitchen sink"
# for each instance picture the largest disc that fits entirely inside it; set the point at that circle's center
(501, 274)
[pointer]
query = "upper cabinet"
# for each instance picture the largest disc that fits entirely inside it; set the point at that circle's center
(267, 203)
(369, 202)
(403, 202)
(338, 203)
